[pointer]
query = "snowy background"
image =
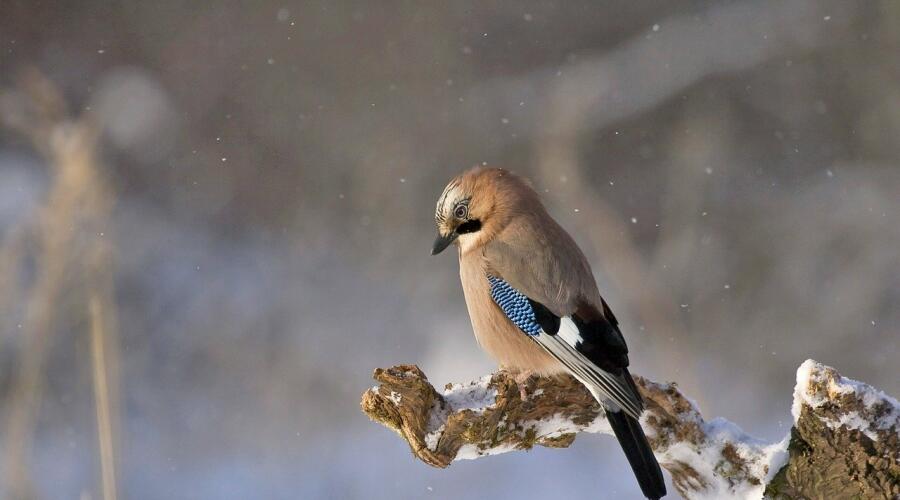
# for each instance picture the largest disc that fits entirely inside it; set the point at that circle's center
(731, 169)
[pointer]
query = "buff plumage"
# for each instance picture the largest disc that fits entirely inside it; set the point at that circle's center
(534, 304)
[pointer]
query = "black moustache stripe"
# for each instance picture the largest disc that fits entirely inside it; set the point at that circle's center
(470, 226)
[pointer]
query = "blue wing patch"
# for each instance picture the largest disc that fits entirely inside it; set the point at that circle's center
(515, 305)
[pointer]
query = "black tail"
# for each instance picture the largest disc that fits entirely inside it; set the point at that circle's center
(640, 456)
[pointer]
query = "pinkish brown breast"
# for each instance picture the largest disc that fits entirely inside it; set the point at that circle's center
(496, 334)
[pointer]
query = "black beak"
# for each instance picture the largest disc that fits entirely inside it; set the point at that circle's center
(443, 242)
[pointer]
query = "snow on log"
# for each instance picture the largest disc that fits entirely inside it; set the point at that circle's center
(845, 442)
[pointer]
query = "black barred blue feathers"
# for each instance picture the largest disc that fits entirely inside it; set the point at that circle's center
(514, 305)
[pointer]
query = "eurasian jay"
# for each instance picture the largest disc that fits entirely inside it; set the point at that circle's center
(533, 302)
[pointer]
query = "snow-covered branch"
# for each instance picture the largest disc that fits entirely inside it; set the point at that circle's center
(844, 442)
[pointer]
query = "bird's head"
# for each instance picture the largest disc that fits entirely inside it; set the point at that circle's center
(477, 205)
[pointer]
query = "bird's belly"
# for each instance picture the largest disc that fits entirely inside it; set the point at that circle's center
(496, 334)
(513, 349)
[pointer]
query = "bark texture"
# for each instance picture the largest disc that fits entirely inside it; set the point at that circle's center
(844, 443)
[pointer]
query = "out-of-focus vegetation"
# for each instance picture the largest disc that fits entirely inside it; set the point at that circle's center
(215, 220)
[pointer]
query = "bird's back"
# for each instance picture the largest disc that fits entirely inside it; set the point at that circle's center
(537, 256)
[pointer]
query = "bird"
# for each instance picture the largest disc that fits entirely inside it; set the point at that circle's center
(534, 304)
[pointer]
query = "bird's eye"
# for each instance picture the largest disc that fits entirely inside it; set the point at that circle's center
(461, 211)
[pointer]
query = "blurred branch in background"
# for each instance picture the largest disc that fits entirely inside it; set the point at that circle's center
(602, 90)
(70, 233)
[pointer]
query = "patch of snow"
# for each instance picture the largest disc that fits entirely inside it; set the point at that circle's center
(474, 396)
(436, 424)
(432, 438)
(761, 461)
(811, 371)
(599, 426)
(471, 452)
(777, 457)
(649, 431)
(801, 390)
(853, 420)
(872, 396)
(552, 427)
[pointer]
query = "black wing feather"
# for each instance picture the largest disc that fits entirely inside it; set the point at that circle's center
(597, 356)
(549, 322)
(602, 343)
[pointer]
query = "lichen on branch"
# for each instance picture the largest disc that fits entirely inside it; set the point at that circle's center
(834, 418)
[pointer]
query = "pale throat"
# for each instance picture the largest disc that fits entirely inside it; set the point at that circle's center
(468, 242)
(471, 242)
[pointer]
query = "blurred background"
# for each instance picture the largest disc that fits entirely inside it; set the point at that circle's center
(215, 222)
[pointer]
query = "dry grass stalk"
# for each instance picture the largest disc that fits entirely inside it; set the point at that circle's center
(102, 399)
(77, 203)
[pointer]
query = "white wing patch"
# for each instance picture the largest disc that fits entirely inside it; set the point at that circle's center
(569, 331)
(612, 391)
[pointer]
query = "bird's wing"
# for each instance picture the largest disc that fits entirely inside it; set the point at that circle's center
(592, 350)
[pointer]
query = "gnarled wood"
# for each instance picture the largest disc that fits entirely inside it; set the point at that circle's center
(845, 440)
